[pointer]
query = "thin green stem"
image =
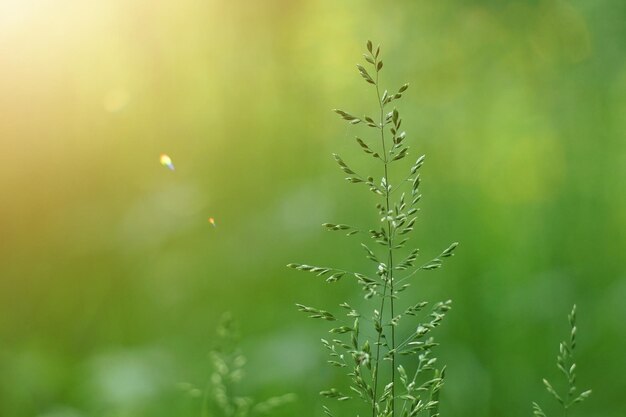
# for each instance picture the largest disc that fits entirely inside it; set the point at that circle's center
(389, 246)
(375, 372)
(383, 297)
(408, 177)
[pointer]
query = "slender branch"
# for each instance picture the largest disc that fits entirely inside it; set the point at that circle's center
(382, 304)
(375, 371)
(389, 244)
(408, 177)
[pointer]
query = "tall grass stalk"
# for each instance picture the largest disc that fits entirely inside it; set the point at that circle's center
(418, 393)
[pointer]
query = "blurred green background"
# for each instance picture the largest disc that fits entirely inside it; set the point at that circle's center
(112, 280)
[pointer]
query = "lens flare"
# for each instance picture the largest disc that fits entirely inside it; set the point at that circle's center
(166, 161)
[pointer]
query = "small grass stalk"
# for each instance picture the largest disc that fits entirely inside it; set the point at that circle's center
(565, 363)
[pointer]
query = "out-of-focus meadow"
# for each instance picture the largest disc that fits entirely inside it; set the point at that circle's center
(112, 280)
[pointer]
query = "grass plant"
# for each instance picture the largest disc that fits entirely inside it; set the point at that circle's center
(220, 398)
(566, 365)
(365, 343)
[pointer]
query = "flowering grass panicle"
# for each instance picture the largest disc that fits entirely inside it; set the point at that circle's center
(565, 363)
(220, 397)
(364, 343)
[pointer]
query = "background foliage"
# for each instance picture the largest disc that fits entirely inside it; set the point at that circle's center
(112, 281)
